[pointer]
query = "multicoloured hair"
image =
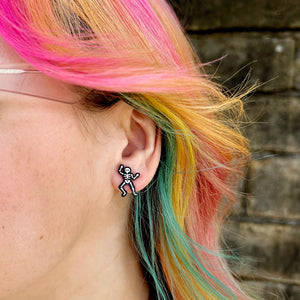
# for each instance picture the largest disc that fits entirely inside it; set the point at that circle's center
(138, 50)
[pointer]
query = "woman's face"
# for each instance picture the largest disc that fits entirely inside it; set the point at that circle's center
(53, 174)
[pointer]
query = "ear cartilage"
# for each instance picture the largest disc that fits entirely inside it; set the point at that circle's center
(128, 177)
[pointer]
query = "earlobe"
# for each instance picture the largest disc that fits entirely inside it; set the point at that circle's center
(141, 153)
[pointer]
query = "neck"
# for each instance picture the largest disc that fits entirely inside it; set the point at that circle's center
(101, 264)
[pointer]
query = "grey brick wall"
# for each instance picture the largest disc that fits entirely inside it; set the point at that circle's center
(260, 42)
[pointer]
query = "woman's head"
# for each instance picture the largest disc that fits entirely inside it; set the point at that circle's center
(59, 174)
(141, 85)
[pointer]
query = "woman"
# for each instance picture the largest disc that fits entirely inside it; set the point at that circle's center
(129, 111)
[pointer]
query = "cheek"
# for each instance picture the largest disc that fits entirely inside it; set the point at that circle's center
(41, 207)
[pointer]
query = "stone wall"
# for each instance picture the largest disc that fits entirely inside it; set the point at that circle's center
(259, 41)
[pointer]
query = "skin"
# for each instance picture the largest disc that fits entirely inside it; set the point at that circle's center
(62, 218)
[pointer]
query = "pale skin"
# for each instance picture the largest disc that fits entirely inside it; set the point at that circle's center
(63, 221)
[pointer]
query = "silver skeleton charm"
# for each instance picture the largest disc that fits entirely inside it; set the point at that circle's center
(127, 179)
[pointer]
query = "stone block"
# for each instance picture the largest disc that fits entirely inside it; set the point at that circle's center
(274, 123)
(266, 290)
(275, 187)
(221, 14)
(269, 252)
(271, 290)
(250, 58)
(294, 292)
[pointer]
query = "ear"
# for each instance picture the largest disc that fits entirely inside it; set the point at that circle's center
(141, 152)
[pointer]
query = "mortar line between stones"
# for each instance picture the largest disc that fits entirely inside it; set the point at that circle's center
(269, 279)
(242, 30)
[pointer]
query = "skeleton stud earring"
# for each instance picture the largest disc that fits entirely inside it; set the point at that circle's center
(127, 179)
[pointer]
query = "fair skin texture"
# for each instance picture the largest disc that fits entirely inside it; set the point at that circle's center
(63, 221)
